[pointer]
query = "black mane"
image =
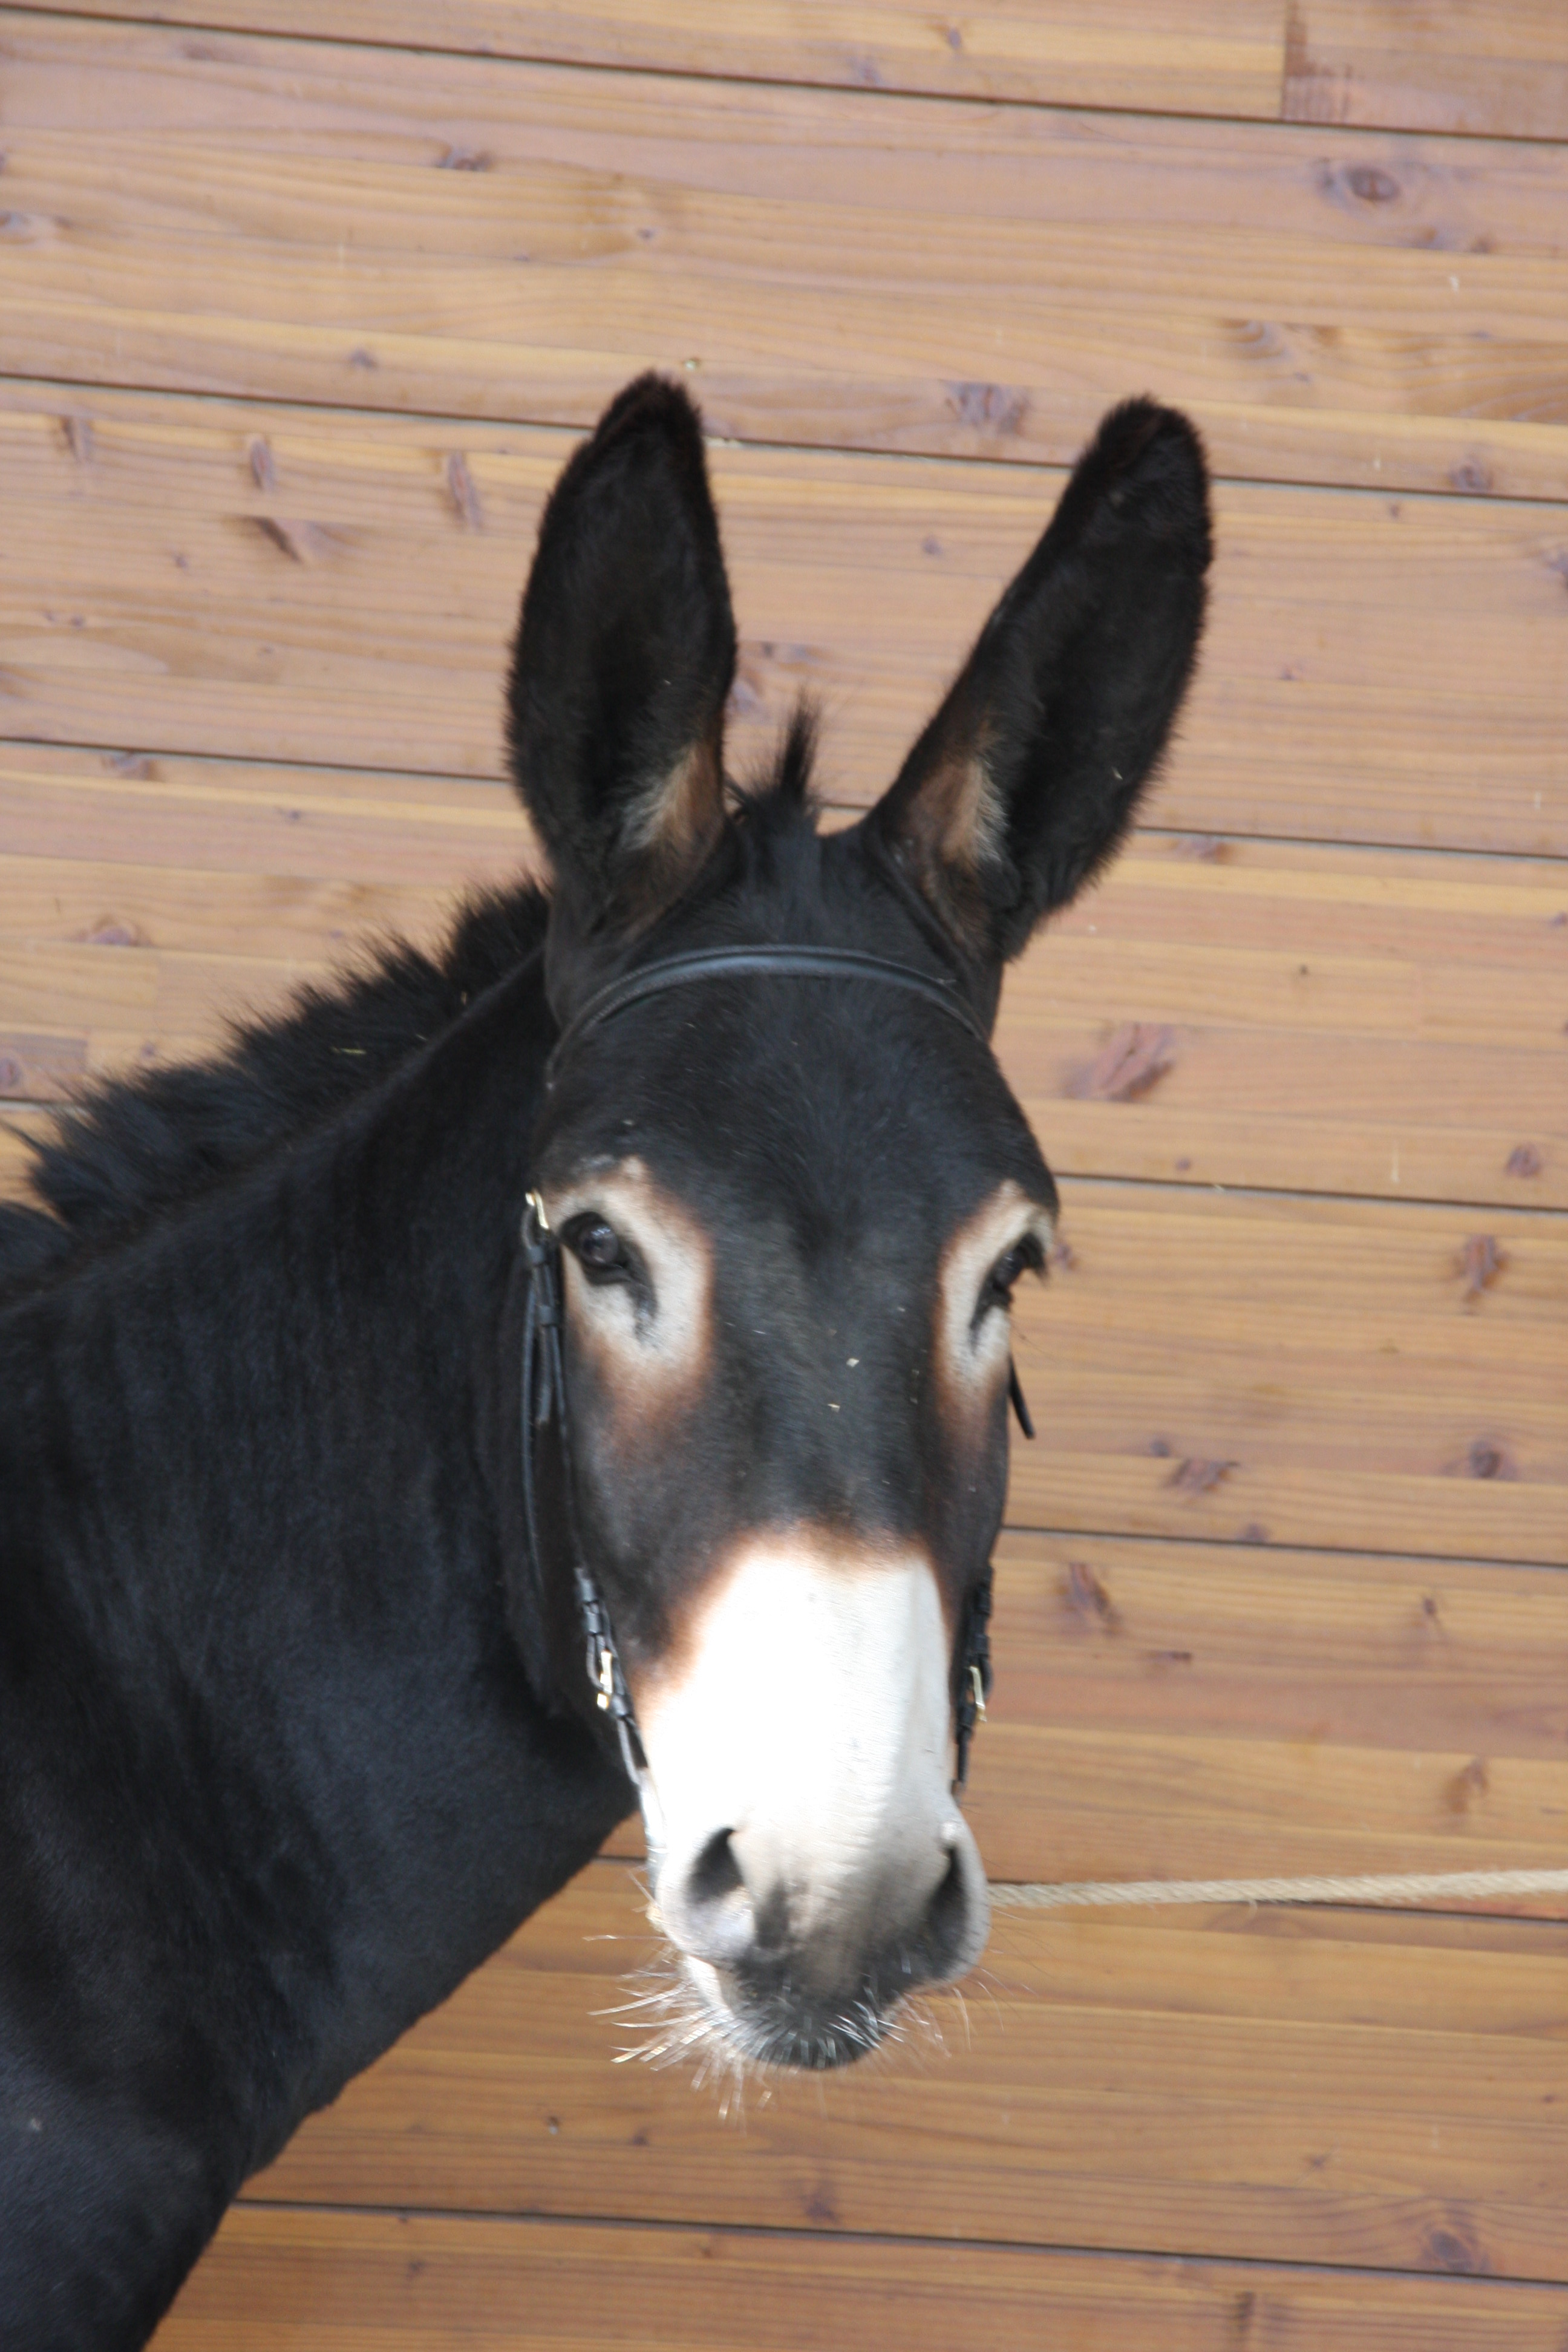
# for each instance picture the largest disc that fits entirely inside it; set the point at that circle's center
(134, 1148)
(138, 1147)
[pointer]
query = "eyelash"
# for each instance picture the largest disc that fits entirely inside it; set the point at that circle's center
(1027, 1255)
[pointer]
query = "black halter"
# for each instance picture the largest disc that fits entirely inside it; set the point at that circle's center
(544, 1364)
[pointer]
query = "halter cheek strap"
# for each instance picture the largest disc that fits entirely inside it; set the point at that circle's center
(544, 1364)
(543, 1400)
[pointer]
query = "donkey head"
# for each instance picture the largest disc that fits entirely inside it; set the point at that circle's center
(794, 1208)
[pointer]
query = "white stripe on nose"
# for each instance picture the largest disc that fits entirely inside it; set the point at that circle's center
(801, 1755)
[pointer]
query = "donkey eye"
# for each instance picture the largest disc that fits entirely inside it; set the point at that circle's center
(598, 1249)
(1026, 1257)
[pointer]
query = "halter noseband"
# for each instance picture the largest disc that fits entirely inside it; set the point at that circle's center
(544, 1364)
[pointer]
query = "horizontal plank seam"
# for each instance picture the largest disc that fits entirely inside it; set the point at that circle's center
(1303, 1194)
(1278, 119)
(499, 782)
(545, 61)
(1468, 1203)
(999, 465)
(1317, 1551)
(1400, 1200)
(534, 2218)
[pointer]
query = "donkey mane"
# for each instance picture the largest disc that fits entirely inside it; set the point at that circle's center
(135, 1148)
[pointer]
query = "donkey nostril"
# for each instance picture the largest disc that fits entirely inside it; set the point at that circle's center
(715, 1874)
(947, 1940)
(708, 1911)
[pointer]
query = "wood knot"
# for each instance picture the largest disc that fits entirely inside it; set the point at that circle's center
(999, 408)
(1484, 1458)
(308, 543)
(1135, 1059)
(1524, 1160)
(1455, 2249)
(463, 492)
(1087, 1596)
(1480, 1263)
(1195, 1477)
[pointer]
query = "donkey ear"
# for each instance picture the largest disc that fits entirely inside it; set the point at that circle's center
(1029, 775)
(624, 658)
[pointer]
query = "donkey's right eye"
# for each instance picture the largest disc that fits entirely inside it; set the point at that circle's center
(599, 1250)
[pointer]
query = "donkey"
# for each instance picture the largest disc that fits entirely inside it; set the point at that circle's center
(635, 1275)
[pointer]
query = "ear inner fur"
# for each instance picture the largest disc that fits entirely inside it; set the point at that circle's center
(622, 665)
(1023, 784)
(675, 827)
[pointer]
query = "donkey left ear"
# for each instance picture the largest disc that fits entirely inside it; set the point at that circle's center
(623, 659)
(1029, 775)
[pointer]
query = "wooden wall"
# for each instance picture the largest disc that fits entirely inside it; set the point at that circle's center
(301, 309)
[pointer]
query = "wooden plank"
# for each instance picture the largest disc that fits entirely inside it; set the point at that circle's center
(301, 2282)
(1328, 1019)
(1129, 53)
(154, 596)
(1192, 1710)
(1188, 1710)
(268, 218)
(1161, 2081)
(1228, 1365)
(1446, 66)
(1289, 1370)
(17, 1122)
(315, 851)
(1296, 1371)
(1332, 1019)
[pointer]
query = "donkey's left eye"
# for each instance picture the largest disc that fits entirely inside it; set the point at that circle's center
(1026, 1255)
(598, 1249)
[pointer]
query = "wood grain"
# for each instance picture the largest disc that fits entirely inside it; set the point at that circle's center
(1128, 53)
(1185, 1710)
(1383, 1022)
(299, 2282)
(1283, 1587)
(378, 228)
(1295, 1370)
(155, 597)
(1446, 66)
(1385, 2099)
(1286, 1369)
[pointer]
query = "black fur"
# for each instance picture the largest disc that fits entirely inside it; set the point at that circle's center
(1069, 696)
(287, 1746)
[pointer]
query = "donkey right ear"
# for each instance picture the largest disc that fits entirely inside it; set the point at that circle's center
(1026, 778)
(623, 659)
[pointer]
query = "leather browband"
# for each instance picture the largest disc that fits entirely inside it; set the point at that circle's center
(741, 964)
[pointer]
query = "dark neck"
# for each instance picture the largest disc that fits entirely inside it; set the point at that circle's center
(263, 1449)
